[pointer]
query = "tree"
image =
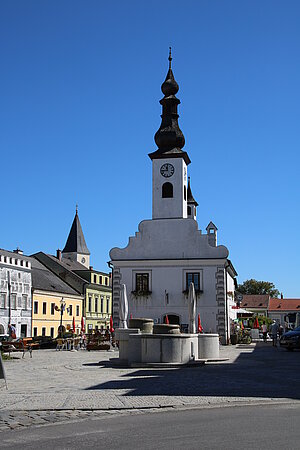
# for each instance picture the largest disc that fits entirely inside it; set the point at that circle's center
(254, 287)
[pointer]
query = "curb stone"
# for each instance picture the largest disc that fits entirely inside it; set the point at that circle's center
(35, 418)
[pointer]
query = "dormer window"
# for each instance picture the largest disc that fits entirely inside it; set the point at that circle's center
(167, 190)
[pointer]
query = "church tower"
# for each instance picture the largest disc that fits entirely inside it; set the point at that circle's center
(76, 248)
(169, 161)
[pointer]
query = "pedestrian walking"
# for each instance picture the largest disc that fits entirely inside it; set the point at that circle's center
(264, 330)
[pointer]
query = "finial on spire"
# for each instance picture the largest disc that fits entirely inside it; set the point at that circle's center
(170, 57)
(76, 208)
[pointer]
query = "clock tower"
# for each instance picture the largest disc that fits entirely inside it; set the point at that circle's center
(169, 161)
(76, 248)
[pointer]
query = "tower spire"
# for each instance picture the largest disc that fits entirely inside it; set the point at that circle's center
(190, 197)
(76, 242)
(170, 57)
(169, 137)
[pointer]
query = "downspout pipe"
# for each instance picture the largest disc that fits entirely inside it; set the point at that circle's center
(110, 265)
(227, 337)
(9, 296)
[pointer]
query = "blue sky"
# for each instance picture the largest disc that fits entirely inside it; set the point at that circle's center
(80, 86)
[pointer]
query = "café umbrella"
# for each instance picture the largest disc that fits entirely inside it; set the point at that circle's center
(123, 307)
(111, 327)
(73, 324)
(192, 307)
(82, 325)
(256, 324)
(200, 327)
(167, 320)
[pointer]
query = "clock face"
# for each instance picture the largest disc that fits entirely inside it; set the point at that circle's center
(83, 260)
(167, 170)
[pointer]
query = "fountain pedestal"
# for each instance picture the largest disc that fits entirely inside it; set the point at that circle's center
(122, 335)
(208, 346)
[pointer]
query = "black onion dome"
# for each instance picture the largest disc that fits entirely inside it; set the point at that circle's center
(169, 86)
(169, 136)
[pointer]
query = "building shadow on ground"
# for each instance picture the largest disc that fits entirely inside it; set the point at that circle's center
(265, 372)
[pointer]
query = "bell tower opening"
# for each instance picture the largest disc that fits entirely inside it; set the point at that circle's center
(167, 190)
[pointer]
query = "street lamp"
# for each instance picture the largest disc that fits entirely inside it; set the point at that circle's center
(62, 308)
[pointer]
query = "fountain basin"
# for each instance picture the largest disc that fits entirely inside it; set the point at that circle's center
(144, 324)
(164, 328)
(162, 348)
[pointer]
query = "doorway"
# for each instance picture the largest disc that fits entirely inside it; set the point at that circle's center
(23, 330)
(173, 319)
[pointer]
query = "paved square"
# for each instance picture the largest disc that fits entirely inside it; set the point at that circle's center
(75, 383)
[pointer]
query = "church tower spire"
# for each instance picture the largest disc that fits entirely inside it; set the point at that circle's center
(169, 137)
(169, 161)
(76, 248)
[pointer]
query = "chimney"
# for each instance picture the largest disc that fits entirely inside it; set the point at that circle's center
(91, 267)
(58, 254)
(20, 252)
(281, 296)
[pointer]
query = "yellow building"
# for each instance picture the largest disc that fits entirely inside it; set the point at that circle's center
(49, 293)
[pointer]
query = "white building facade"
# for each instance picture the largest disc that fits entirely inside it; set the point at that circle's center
(169, 251)
(15, 292)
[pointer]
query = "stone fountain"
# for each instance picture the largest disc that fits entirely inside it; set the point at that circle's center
(144, 344)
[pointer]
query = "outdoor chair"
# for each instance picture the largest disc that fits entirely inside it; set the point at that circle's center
(60, 344)
(77, 343)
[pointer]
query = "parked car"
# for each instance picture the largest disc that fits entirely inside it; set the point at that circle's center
(291, 339)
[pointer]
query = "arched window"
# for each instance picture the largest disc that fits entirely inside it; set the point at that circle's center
(1, 329)
(167, 190)
(184, 192)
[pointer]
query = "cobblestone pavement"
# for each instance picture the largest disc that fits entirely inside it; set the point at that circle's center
(61, 386)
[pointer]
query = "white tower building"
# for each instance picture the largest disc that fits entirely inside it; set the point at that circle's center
(169, 251)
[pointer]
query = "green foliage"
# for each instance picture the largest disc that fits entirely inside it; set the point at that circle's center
(5, 356)
(254, 287)
(261, 320)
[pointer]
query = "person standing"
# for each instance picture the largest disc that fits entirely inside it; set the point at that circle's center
(274, 333)
(12, 332)
(264, 330)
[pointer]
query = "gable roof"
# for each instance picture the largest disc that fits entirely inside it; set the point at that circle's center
(255, 301)
(211, 225)
(76, 242)
(284, 304)
(45, 280)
